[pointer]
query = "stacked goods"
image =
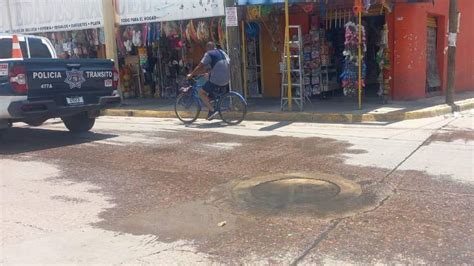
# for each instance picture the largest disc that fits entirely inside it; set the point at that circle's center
(126, 81)
(312, 62)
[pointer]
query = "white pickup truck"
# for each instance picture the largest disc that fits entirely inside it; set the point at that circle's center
(40, 86)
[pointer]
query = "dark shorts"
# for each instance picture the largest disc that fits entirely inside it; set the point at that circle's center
(210, 88)
(213, 90)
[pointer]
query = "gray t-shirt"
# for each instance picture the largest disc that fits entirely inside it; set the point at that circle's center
(218, 62)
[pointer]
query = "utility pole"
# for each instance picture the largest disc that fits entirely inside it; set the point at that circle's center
(108, 13)
(233, 49)
(452, 37)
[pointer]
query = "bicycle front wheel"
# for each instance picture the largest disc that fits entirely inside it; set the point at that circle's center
(232, 108)
(187, 108)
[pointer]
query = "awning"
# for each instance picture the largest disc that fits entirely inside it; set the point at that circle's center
(261, 2)
(33, 16)
(413, 1)
(143, 11)
(332, 2)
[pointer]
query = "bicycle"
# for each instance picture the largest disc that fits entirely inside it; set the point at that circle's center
(231, 106)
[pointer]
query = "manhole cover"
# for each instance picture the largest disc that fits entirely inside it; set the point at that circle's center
(319, 191)
(295, 190)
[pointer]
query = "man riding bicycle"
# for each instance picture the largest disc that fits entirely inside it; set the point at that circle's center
(216, 62)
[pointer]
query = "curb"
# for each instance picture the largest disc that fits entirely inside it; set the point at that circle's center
(317, 117)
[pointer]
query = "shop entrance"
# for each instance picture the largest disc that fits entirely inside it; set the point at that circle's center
(433, 82)
(326, 52)
(253, 59)
(374, 26)
(375, 43)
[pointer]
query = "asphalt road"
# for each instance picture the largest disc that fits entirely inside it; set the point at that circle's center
(148, 191)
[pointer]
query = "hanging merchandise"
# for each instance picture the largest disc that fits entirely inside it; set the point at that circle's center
(203, 31)
(312, 59)
(143, 56)
(383, 61)
(170, 28)
(101, 36)
(221, 31)
(145, 30)
(120, 42)
(307, 7)
(350, 73)
(323, 9)
(367, 5)
(137, 38)
(252, 30)
(95, 36)
(127, 37)
(214, 30)
(191, 33)
(253, 12)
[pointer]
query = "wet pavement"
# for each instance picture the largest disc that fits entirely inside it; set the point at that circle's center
(152, 191)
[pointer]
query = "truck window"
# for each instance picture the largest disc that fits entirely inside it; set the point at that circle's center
(6, 48)
(38, 49)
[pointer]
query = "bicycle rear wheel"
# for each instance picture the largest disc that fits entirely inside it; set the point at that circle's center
(187, 108)
(232, 108)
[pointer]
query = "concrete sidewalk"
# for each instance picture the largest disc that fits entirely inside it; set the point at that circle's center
(338, 109)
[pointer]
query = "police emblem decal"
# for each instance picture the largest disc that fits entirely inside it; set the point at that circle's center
(75, 78)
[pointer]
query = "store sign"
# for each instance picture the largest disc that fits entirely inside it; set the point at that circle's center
(264, 2)
(4, 17)
(31, 16)
(140, 11)
(231, 18)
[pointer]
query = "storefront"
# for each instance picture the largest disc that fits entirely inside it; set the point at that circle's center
(404, 53)
(87, 43)
(75, 29)
(324, 50)
(159, 44)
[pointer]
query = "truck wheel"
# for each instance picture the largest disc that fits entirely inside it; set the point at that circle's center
(79, 123)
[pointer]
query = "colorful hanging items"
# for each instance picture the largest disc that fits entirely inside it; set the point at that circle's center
(137, 38)
(214, 30)
(203, 31)
(350, 74)
(307, 7)
(367, 5)
(253, 12)
(312, 46)
(251, 30)
(221, 31)
(323, 9)
(170, 29)
(143, 56)
(120, 42)
(384, 63)
(191, 33)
